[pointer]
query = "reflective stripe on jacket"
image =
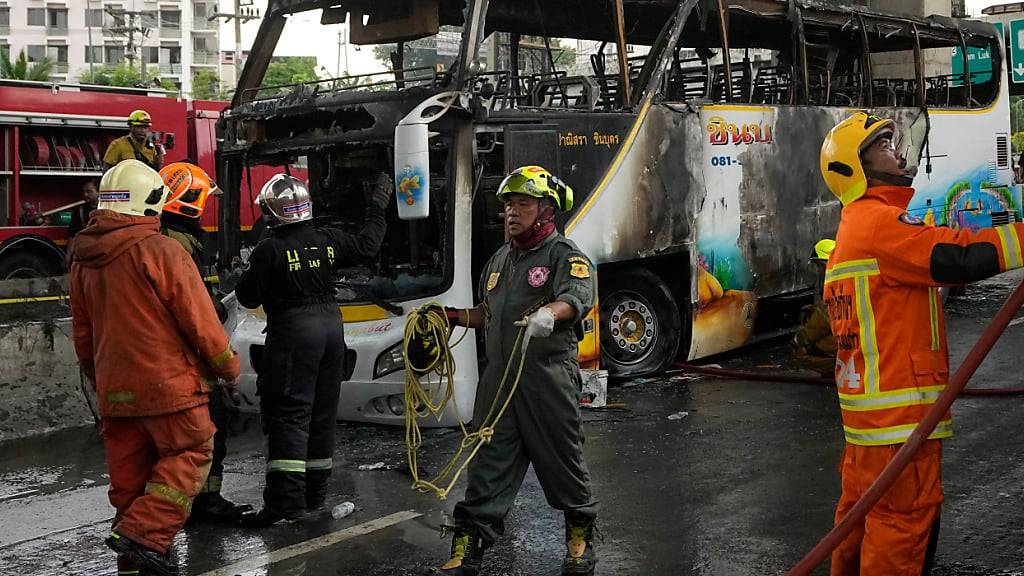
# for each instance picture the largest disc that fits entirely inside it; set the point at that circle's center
(881, 283)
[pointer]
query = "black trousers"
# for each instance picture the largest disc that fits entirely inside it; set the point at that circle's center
(221, 418)
(298, 383)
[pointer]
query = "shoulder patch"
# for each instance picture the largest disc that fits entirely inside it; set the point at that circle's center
(579, 269)
(492, 280)
(908, 218)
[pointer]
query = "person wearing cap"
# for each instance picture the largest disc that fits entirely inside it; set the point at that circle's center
(136, 144)
(813, 342)
(190, 187)
(534, 292)
(291, 275)
(149, 340)
(892, 360)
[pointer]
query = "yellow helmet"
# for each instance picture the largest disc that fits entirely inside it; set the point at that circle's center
(840, 153)
(133, 188)
(139, 118)
(539, 183)
(823, 249)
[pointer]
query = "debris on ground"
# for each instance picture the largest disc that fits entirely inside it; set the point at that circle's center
(375, 466)
(342, 510)
(678, 415)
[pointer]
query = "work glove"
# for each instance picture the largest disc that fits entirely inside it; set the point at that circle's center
(540, 324)
(229, 389)
(382, 191)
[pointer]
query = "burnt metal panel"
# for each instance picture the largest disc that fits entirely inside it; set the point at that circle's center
(532, 144)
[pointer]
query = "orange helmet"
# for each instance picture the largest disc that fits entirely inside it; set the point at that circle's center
(190, 187)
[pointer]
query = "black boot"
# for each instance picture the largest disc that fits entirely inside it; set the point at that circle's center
(127, 567)
(580, 557)
(467, 556)
(264, 518)
(212, 507)
(150, 561)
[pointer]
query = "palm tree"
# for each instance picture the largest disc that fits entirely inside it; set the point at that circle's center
(19, 69)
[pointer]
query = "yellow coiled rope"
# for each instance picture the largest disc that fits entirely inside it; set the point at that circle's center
(432, 399)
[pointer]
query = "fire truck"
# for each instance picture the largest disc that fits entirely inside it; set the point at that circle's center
(52, 140)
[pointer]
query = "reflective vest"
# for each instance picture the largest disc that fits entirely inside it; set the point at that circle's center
(881, 290)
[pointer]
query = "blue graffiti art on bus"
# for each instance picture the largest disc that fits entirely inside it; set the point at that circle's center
(722, 270)
(968, 203)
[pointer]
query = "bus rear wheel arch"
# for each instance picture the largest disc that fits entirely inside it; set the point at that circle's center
(641, 326)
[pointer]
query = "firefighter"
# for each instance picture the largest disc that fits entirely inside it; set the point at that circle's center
(813, 342)
(149, 340)
(540, 276)
(290, 273)
(881, 290)
(80, 216)
(190, 188)
(137, 144)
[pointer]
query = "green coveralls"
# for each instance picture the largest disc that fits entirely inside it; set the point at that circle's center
(542, 424)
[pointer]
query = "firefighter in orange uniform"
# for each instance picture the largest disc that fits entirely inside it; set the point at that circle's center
(147, 335)
(881, 289)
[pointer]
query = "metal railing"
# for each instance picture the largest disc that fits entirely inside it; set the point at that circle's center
(169, 68)
(203, 57)
(55, 31)
(170, 31)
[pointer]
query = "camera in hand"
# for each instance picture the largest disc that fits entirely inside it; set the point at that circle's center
(164, 138)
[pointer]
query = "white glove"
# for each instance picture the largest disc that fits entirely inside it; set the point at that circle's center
(540, 324)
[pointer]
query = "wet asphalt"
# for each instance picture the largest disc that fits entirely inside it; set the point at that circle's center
(743, 484)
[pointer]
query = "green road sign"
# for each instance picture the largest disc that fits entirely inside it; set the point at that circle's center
(1015, 51)
(980, 60)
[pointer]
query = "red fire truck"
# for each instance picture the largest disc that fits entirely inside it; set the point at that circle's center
(52, 140)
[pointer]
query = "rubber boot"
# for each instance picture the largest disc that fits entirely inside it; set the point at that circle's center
(467, 556)
(127, 567)
(580, 558)
(148, 560)
(214, 508)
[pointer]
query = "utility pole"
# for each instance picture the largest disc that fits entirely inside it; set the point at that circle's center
(239, 16)
(88, 21)
(127, 23)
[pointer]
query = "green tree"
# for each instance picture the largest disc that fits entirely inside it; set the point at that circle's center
(206, 85)
(290, 70)
(1017, 140)
(19, 69)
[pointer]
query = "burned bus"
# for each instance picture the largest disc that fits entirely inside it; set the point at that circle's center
(690, 131)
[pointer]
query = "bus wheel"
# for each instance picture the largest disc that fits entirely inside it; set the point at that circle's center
(640, 323)
(23, 264)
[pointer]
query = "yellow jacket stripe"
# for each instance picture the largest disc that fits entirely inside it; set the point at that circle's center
(1011, 247)
(176, 497)
(852, 269)
(868, 341)
(894, 434)
(933, 313)
(222, 358)
(893, 399)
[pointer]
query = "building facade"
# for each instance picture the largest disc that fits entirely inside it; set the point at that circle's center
(173, 38)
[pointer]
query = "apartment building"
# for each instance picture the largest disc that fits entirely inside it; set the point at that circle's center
(179, 41)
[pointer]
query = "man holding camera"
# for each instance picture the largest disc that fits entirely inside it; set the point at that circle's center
(137, 144)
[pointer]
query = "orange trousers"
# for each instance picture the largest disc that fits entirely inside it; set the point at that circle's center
(156, 465)
(893, 540)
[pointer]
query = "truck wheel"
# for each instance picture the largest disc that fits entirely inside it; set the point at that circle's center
(640, 323)
(28, 264)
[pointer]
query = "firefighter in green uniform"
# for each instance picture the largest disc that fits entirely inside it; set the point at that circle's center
(541, 284)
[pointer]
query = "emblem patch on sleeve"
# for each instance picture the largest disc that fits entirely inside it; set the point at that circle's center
(579, 270)
(492, 280)
(908, 218)
(538, 276)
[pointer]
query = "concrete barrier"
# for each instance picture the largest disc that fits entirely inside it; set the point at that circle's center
(40, 389)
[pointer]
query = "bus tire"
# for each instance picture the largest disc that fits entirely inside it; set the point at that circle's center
(22, 263)
(640, 323)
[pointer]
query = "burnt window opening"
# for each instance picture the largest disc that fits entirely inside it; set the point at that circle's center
(339, 120)
(858, 60)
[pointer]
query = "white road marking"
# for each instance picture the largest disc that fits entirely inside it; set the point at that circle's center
(257, 562)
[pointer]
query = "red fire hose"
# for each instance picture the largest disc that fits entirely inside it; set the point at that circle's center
(881, 484)
(814, 381)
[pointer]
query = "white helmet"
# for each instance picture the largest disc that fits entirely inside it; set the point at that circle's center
(133, 188)
(285, 200)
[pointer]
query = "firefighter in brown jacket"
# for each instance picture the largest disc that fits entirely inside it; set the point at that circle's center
(147, 335)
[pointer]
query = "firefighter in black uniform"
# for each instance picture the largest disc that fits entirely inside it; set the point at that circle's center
(290, 274)
(190, 188)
